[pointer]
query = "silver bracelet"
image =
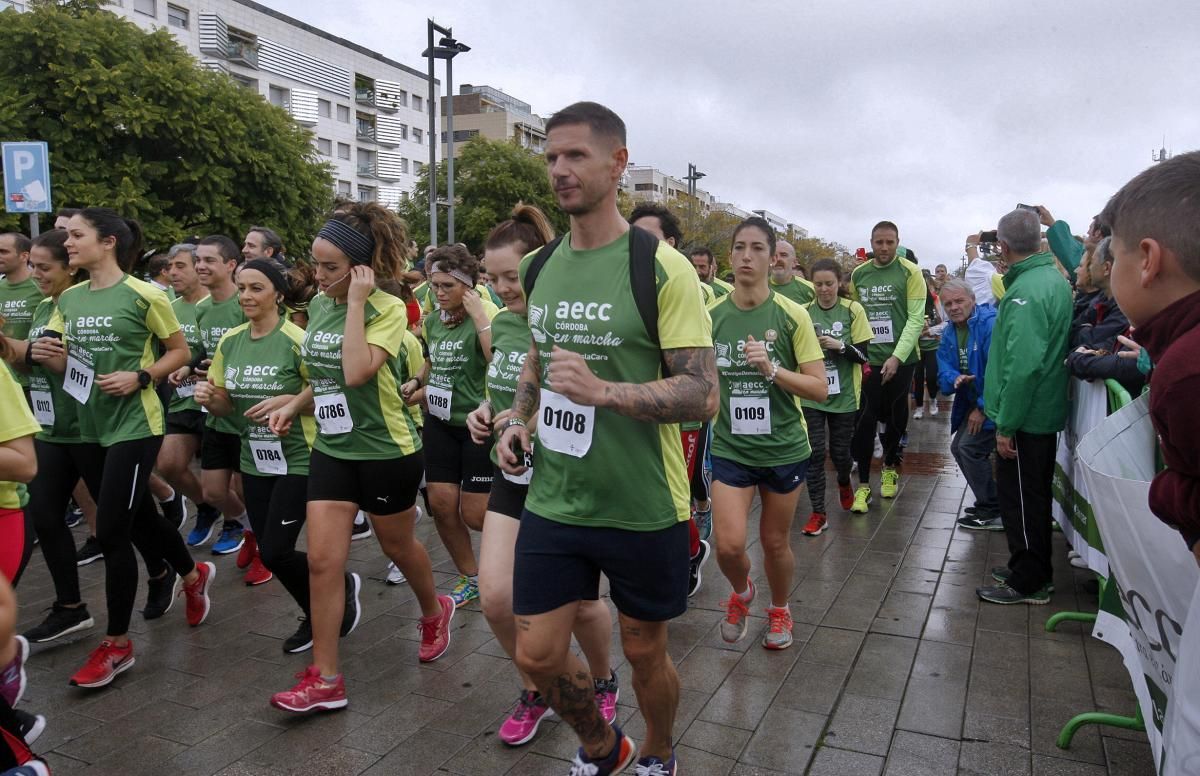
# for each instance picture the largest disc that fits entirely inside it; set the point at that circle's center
(774, 371)
(485, 328)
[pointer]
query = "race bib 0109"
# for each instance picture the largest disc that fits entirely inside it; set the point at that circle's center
(750, 415)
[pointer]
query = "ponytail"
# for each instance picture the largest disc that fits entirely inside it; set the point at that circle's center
(527, 226)
(126, 231)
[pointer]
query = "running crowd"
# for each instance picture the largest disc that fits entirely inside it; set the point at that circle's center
(512, 393)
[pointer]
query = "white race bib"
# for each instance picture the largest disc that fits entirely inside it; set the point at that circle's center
(186, 389)
(268, 457)
(521, 479)
(833, 380)
(43, 407)
(750, 414)
(79, 376)
(333, 414)
(438, 400)
(882, 331)
(565, 427)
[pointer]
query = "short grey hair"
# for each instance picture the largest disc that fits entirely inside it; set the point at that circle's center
(179, 248)
(958, 284)
(1022, 230)
(1103, 252)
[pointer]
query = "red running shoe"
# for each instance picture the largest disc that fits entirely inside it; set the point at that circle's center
(435, 631)
(816, 525)
(198, 602)
(103, 665)
(313, 693)
(846, 495)
(257, 574)
(249, 550)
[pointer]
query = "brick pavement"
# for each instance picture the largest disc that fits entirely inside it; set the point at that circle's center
(896, 670)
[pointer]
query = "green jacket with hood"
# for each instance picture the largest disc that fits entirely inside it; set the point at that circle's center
(1026, 387)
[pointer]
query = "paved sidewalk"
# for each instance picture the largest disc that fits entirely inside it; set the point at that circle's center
(897, 669)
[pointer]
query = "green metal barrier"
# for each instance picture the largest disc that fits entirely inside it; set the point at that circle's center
(1118, 397)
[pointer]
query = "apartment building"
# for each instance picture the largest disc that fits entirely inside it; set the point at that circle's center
(368, 113)
(649, 184)
(487, 111)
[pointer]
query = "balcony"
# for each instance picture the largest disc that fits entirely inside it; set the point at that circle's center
(364, 95)
(366, 169)
(243, 53)
(365, 130)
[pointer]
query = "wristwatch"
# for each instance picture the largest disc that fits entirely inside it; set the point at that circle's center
(144, 378)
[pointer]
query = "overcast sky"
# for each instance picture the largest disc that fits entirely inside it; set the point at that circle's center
(940, 116)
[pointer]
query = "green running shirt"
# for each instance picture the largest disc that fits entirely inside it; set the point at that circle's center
(845, 321)
(759, 424)
(797, 289)
(368, 422)
(214, 319)
(510, 347)
(114, 329)
(17, 303)
(181, 397)
(252, 370)
(894, 298)
(457, 367)
(596, 467)
(53, 408)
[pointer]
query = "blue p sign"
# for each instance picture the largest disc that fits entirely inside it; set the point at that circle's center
(27, 178)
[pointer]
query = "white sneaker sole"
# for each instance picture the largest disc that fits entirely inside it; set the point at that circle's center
(120, 669)
(322, 706)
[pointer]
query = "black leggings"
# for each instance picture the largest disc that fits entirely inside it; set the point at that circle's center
(925, 377)
(841, 429)
(276, 507)
(701, 472)
(59, 468)
(125, 515)
(886, 402)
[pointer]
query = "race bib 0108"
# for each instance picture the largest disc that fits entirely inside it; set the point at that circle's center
(565, 427)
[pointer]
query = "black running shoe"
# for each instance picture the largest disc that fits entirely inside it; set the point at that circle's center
(31, 726)
(74, 514)
(301, 640)
(161, 594)
(694, 567)
(175, 510)
(353, 610)
(59, 623)
(89, 552)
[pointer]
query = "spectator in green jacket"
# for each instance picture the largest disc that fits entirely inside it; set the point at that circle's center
(1026, 396)
(1063, 244)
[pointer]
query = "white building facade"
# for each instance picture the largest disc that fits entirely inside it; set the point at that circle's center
(369, 115)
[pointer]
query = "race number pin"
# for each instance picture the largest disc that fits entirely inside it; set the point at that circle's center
(772, 335)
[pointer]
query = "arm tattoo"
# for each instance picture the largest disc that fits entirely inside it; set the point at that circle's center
(528, 391)
(689, 394)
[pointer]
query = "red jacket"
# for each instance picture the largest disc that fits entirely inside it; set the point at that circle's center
(1173, 340)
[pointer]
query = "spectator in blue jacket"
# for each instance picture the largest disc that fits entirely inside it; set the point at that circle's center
(962, 362)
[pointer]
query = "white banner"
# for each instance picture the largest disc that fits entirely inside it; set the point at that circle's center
(1151, 568)
(1072, 505)
(1181, 733)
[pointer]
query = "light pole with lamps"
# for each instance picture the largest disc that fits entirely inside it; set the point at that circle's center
(447, 48)
(692, 176)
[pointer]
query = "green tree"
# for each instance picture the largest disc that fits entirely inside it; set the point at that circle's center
(134, 123)
(491, 176)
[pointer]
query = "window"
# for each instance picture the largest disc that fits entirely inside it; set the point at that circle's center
(343, 150)
(344, 188)
(417, 167)
(324, 146)
(366, 193)
(417, 104)
(343, 113)
(404, 132)
(324, 108)
(366, 162)
(148, 7)
(277, 96)
(177, 17)
(643, 186)
(403, 166)
(402, 98)
(418, 136)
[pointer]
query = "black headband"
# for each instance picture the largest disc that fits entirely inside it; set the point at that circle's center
(358, 247)
(272, 271)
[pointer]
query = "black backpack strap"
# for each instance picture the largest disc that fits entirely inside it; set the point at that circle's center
(643, 247)
(536, 264)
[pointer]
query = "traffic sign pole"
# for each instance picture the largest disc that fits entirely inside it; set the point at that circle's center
(34, 226)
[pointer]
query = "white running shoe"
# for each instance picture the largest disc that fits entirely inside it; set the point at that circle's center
(933, 409)
(919, 413)
(395, 576)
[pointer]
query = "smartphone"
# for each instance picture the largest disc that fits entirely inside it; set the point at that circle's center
(988, 237)
(1032, 208)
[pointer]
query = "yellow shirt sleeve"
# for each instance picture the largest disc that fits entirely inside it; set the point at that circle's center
(998, 288)
(386, 329)
(16, 419)
(160, 318)
(805, 346)
(860, 330)
(683, 321)
(413, 358)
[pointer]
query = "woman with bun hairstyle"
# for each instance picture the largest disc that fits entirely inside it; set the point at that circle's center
(527, 230)
(108, 330)
(367, 453)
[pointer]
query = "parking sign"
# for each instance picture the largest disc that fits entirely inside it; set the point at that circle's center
(27, 178)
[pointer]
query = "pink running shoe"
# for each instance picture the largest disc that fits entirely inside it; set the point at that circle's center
(607, 693)
(522, 724)
(196, 593)
(313, 693)
(435, 631)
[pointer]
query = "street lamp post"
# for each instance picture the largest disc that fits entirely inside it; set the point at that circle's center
(692, 176)
(447, 48)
